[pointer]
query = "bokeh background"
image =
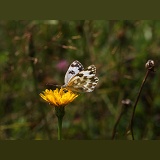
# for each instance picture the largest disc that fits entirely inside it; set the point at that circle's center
(35, 53)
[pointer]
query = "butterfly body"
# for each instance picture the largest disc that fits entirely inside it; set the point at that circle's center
(79, 79)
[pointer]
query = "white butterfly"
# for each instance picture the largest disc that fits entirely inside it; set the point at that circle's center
(79, 80)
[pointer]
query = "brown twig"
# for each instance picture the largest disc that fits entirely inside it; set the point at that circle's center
(117, 122)
(150, 67)
(125, 103)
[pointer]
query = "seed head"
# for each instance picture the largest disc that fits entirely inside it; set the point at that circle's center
(150, 65)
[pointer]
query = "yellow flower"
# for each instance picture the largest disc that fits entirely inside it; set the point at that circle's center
(58, 97)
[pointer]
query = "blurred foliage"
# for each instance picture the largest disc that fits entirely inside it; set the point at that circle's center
(34, 53)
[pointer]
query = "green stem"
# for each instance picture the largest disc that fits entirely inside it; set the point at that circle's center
(60, 112)
(60, 128)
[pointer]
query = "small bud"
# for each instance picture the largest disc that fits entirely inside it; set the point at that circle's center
(150, 65)
(126, 102)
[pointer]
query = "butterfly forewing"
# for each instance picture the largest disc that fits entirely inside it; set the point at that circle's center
(73, 69)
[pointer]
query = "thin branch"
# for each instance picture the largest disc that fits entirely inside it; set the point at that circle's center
(150, 67)
(125, 104)
(117, 122)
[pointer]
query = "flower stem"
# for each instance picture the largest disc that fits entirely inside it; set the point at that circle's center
(134, 108)
(150, 67)
(60, 112)
(59, 128)
(117, 122)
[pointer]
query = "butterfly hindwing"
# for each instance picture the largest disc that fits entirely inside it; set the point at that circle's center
(84, 81)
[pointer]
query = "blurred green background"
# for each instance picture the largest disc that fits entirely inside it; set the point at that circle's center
(34, 53)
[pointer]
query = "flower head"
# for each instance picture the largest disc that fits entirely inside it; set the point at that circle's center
(58, 97)
(150, 65)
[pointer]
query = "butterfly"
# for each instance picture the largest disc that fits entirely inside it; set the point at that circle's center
(78, 79)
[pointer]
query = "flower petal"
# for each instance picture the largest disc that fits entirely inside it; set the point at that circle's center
(58, 97)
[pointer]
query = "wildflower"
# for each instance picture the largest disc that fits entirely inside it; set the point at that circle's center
(62, 65)
(58, 97)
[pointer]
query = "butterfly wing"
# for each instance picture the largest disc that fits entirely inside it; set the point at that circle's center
(84, 81)
(73, 69)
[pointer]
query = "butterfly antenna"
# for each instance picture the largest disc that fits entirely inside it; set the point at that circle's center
(53, 85)
(49, 84)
